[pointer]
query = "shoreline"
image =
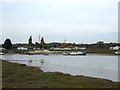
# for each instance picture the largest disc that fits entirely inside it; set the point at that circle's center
(79, 79)
(47, 52)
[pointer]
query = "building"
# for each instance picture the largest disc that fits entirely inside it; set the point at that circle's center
(22, 48)
(79, 48)
(115, 47)
(2, 48)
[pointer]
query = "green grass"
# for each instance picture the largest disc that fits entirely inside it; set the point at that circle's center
(16, 51)
(108, 51)
(101, 51)
(21, 76)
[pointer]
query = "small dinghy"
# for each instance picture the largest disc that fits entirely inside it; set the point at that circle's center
(66, 53)
(78, 53)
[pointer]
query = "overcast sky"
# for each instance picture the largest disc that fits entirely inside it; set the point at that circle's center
(78, 21)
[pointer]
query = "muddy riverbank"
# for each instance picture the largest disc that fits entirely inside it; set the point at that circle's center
(21, 76)
(47, 52)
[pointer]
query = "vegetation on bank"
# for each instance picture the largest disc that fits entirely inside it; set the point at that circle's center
(21, 76)
(15, 51)
(42, 45)
(99, 47)
(107, 51)
(103, 51)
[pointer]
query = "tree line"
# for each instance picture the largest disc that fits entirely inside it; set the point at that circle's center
(42, 45)
(8, 44)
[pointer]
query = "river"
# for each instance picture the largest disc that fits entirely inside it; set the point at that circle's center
(93, 65)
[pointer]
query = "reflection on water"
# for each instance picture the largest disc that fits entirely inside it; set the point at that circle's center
(95, 65)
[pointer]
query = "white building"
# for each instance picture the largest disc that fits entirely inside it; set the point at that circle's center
(22, 48)
(62, 48)
(116, 47)
(2, 48)
(79, 48)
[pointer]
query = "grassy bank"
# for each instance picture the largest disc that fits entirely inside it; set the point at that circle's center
(16, 51)
(21, 76)
(107, 51)
(102, 51)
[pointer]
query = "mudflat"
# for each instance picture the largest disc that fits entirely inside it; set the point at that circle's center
(21, 76)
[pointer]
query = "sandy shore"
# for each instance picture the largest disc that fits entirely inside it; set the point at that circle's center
(45, 52)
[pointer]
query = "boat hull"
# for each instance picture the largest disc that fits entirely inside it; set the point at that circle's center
(79, 54)
(2, 54)
(74, 54)
(117, 53)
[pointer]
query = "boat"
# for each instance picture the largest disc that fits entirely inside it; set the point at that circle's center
(78, 53)
(66, 53)
(2, 54)
(117, 52)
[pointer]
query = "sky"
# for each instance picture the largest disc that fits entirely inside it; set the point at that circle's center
(79, 21)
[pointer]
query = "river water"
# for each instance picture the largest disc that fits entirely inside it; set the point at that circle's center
(93, 65)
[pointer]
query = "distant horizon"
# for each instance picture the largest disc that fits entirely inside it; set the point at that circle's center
(59, 42)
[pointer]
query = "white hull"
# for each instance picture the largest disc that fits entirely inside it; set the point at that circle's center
(117, 53)
(2, 54)
(77, 53)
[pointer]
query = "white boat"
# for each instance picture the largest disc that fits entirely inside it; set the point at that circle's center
(2, 54)
(117, 53)
(78, 53)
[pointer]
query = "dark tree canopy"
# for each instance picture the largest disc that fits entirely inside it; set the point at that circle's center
(7, 44)
(37, 45)
(42, 41)
(100, 43)
(30, 41)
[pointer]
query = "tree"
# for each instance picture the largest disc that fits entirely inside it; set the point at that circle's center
(100, 43)
(73, 44)
(42, 42)
(36, 45)
(30, 41)
(7, 44)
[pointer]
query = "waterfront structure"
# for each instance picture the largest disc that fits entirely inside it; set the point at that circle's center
(2, 48)
(22, 48)
(115, 47)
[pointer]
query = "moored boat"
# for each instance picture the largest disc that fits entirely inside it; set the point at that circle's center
(117, 52)
(2, 54)
(74, 53)
(78, 53)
